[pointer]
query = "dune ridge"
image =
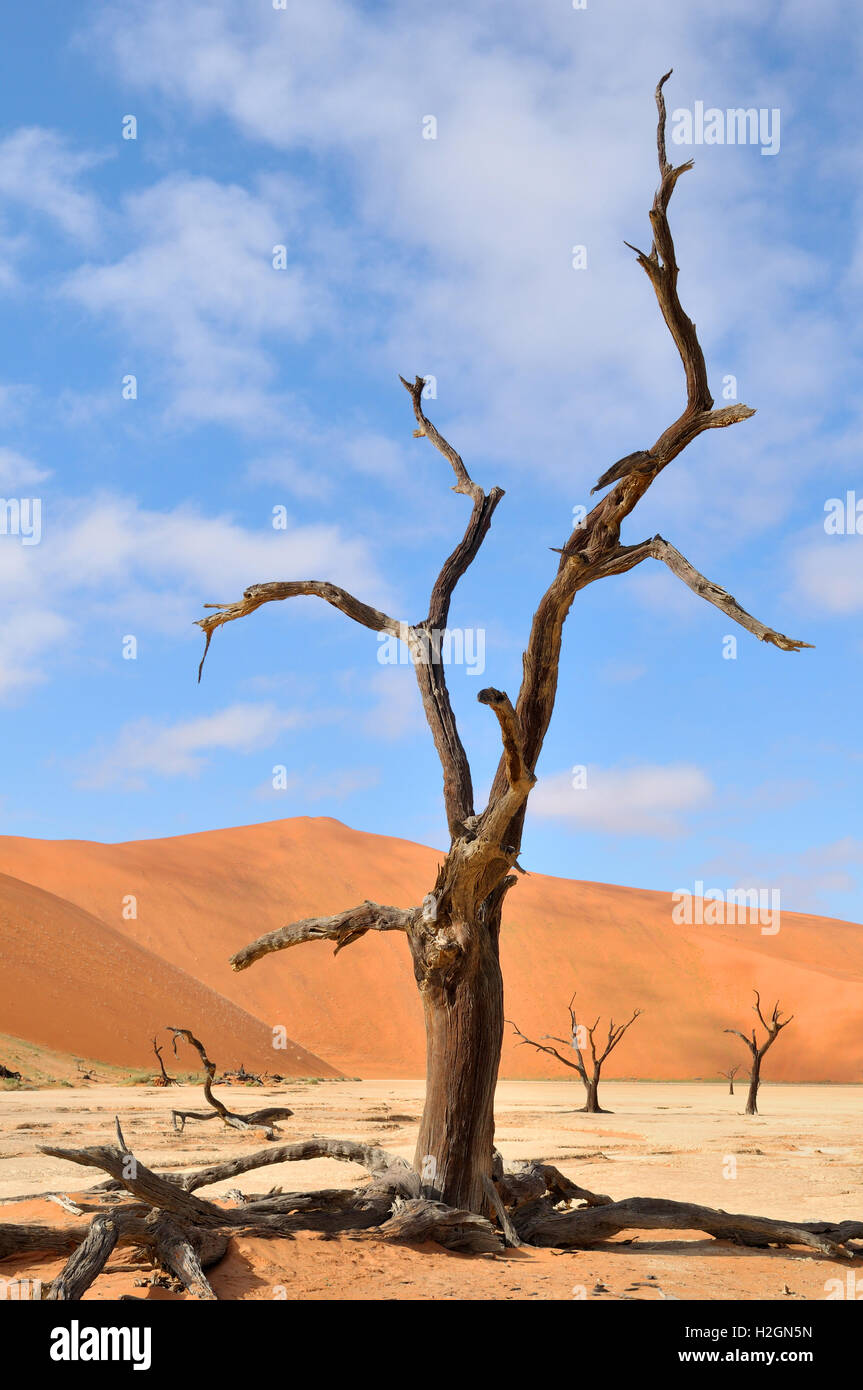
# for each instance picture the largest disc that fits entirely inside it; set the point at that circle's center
(201, 897)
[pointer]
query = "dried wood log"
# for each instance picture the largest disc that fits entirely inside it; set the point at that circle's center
(538, 1223)
(87, 1262)
(172, 1247)
(373, 1159)
(150, 1187)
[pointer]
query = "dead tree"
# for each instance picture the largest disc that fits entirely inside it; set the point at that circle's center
(773, 1026)
(729, 1077)
(257, 1119)
(581, 1037)
(164, 1079)
(453, 935)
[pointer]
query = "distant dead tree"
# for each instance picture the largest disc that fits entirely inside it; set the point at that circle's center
(453, 933)
(7, 1075)
(729, 1077)
(774, 1026)
(164, 1079)
(581, 1038)
(257, 1119)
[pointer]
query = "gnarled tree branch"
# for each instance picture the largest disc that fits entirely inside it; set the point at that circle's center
(626, 557)
(343, 928)
(258, 594)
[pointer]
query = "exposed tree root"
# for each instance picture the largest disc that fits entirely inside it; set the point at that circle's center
(538, 1223)
(532, 1202)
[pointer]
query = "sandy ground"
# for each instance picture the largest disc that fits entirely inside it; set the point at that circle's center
(801, 1158)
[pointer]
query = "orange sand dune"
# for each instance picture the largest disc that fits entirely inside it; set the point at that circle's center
(200, 897)
(72, 983)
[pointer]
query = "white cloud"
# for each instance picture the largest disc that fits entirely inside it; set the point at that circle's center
(17, 472)
(108, 558)
(40, 170)
(647, 800)
(27, 640)
(829, 573)
(200, 287)
(464, 241)
(313, 787)
(146, 749)
(807, 879)
(397, 712)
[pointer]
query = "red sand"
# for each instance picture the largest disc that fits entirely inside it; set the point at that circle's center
(71, 983)
(201, 897)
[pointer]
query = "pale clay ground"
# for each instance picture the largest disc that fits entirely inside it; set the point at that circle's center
(802, 1158)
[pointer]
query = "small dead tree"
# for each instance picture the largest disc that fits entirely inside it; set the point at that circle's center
(453, 936)
(164, 1079)
(581, 1038)
(257, 1119)
(773, 1027)
(729, 1077)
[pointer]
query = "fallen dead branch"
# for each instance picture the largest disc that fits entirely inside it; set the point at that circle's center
(256, 1119)
(527, 1203)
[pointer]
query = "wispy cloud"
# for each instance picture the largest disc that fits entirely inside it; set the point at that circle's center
(41, 170)
(145, 749)
(650, 800)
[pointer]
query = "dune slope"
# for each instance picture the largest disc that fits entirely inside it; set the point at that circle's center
(71, 983)
(201, 897)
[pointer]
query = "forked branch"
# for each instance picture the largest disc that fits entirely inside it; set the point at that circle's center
(257, 1119)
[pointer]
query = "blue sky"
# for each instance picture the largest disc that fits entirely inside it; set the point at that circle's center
(260, 388)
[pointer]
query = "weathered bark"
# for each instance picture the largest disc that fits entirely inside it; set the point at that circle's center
(420, 1219)
(173, 1249)
(754, 1083)
(462, 994)
(539, 1224)
(87, 1262)
(592, 1105)
(532, 1201)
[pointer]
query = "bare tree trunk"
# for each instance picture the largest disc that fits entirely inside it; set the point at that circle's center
(464, 1033)
(754, 1080)
(592, 1106)
(773, 1026)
